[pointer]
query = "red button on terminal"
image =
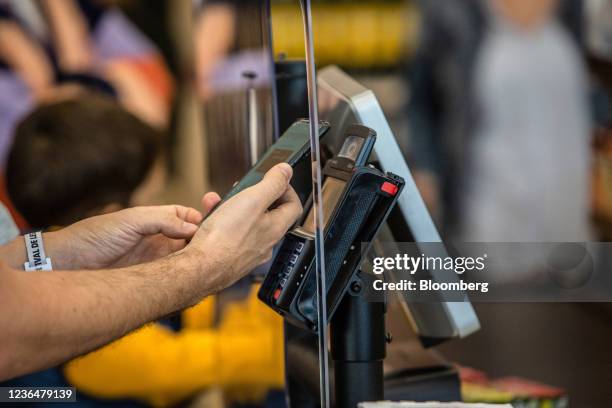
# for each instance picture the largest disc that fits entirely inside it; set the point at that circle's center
(277, 293)
(389, 188)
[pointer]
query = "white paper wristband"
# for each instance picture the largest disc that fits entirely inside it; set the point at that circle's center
(37, 261)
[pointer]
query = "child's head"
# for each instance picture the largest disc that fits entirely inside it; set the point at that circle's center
(78, 158)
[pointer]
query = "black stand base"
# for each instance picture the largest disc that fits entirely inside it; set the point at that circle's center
(358, 348)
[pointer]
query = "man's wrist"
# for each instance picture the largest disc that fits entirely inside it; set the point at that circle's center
(194, 262)
(57, 248)
(192, 259)
(15, 252)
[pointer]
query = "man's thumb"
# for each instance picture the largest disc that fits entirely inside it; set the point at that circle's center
(274, 184)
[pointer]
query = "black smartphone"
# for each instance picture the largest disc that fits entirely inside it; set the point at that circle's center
(293, 147)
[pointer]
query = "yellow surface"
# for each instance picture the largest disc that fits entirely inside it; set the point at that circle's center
(243, 356)
(482, 393)
(352, 35)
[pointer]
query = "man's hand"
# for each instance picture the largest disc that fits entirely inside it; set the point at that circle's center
(127, 237)
(64, 314)
(241, 233)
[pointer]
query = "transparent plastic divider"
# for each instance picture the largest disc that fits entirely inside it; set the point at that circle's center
(315, 155)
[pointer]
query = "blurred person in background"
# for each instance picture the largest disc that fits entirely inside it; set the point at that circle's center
(215, 23)
(99, 158)
(500, 119)
(49, 48)
(501, 127)
(599, 28)
(599, 44)
(225, 47)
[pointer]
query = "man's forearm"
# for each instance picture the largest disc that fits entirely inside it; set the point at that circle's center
(76, 312)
